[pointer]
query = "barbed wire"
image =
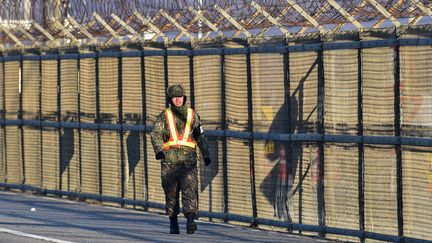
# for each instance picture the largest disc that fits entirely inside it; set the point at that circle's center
(21, 17)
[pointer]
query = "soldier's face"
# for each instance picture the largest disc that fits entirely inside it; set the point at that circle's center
(178, 101)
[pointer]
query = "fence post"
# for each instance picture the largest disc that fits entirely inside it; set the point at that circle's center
(144, 122)
(321, 131)
(165, 60)
(3, 117)
(287, 102)
(361, 168)
(397, 125)
(20, 117)
(40, 118)
(120, 121)
(224, 138)
(98, 120)
(191, 79)
(251, 141)
(58, 118)
(79, 122)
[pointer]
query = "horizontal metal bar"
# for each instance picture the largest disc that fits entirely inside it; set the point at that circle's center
(209, 51)
(13, 58)
(89, 126)
(342, 45)
(416, 42)
(276, 48)
(110, 54)
(132, 53)
(272, 136)
(379, 43)
(306, 137)
(74, 125)
(154, 52)
(138, 128)
(236, 51)
(417, 141)
(36, 123)
(110, 127)
(50, 124)
(381, 140)
(144, 203)
(268, 49)
(31, 57)
(12, 122)
(305, 47)
(240, 218)
(347, 232)
(343, 138)
(70, 56)
(310, 228)
(88, 55)
(388, 238)
(50, 57)
(296, 137)
(179, 52)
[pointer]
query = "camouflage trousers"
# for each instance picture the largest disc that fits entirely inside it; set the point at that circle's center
(178, 178)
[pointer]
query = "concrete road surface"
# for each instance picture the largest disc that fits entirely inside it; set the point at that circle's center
(27, 218)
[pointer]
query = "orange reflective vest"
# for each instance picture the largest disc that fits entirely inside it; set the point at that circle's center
(185, 139)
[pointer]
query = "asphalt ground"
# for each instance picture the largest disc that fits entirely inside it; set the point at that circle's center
(26, 218)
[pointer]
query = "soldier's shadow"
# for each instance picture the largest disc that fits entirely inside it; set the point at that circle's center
(133, 150)
(208, 173)
(67, 140)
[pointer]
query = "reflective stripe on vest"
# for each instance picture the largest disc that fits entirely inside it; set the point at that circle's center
(175, 140)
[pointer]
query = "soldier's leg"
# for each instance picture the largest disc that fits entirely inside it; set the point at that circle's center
(189, 189)
(172, 189)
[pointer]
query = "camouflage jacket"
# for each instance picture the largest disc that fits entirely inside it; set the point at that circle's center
(161, 134)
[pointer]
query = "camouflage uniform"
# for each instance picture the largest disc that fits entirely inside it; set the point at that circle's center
(179, 164)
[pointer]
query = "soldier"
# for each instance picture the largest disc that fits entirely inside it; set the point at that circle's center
(177, 131)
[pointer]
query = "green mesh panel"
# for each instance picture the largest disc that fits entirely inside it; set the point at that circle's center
(269, 113)
(12, 133)
(133, 140)
(341, 186)
(341, 82)
(417, 191)
(2, 141)
(380, 189)
(178, 71)
(50, 136)
(32, 135)
(207, 83)
(110, 140)
(69, 166)
(89, 140)
(378, 83)
(155, 101)
(416, 91)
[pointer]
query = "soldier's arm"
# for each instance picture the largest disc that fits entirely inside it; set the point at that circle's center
(157, 137)
(199, 137)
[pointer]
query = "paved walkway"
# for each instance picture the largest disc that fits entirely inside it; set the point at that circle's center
(27, 218)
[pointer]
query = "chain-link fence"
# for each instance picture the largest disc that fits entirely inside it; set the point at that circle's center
(325, 135)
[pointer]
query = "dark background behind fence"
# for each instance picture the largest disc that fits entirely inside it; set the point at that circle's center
(315, 136)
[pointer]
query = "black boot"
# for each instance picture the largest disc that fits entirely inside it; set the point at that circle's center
(190, 224)
(174, 227)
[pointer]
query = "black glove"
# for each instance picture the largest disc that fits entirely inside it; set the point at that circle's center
(160, 155)
(207, 161)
